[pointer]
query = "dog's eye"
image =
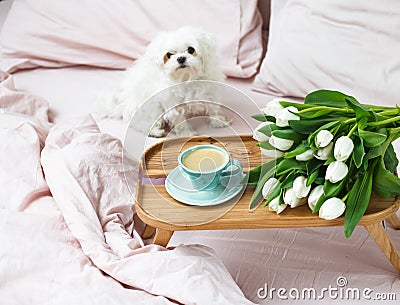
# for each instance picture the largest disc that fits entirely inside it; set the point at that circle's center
(191, 50)
(167, 56)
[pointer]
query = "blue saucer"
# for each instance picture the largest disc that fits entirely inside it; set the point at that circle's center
(180, 188)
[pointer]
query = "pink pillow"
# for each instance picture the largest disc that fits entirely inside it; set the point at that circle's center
(111, 34)
(350, 46)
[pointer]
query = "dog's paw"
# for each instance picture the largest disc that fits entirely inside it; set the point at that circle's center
(157, 133)
(220, 121)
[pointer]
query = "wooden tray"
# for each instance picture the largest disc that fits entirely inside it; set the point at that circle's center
(159, 210)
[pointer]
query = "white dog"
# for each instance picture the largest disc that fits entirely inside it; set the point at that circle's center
(185, 55)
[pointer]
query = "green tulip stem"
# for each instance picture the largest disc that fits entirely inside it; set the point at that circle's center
(352, 130)
(384, 122)
(345, 197)
(395, 130)
(389, 112)
(352, 120)
(378, 108)
(346, 110)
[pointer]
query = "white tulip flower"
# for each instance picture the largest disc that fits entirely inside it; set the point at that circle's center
(285, 115)
(290, 198)
(272, 153)
(336, 171)
(300, 188)
(275, 206)
(259, 136)
(323, 138)
(343, 148)
(305, 156)
(269, 187)
(315, 194)
(281, 144)
(332, 208)
(273, 107)
(323, 153)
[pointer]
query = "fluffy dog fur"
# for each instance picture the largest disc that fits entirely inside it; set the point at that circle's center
(184, 55)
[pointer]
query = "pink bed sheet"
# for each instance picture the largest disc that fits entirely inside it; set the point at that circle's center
(66, 215)
(280, 258)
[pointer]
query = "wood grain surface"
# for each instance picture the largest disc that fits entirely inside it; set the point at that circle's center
(158, 209)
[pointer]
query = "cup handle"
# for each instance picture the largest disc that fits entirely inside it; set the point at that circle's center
(232, 175)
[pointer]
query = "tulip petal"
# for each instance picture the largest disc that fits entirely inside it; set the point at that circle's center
(323, 153)
(269, 187)
(314, 196)
(285, 115)
(336, 171)
(343, 148)
(259, 136)
(332, 208)
(306, 156)
(300, 188)
(273, 107)
(323, 138)
(273, 205)
(272, 153)
(281, 144)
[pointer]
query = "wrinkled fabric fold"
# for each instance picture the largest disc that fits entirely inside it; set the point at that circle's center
(74, 196)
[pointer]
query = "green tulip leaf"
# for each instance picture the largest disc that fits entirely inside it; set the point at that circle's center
(326, 98)
(288, 181)
(390, 159)
(358, 151)
(281, 201)
(288, 134)
(362, 123)
(286, 165)
(313, 165)
(299, 106)
(358, 200)
(264, 118)
(307, 127)
(330, 190)
(386, 184)
(311, 178)
(320, 181)
(276, 192)
(314, 114)
(373, 153)
(257, 195)
(253, 176)
(331, 158)
(267, 129)
(371, 139)
(266, 145)
(297, 151)
(361, 111)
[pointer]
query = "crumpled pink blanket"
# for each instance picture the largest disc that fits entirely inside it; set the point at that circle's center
(66, 221)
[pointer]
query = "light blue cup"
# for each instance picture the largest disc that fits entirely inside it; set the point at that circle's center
(228, 175)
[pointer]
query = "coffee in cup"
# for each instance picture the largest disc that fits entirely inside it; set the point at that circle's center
(207, 166)
(204, 160)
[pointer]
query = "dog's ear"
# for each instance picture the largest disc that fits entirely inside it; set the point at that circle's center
(211, 69)
(154, 48)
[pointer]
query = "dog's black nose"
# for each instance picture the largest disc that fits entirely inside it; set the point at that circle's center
(181, 59)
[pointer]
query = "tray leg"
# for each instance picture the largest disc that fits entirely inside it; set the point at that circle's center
(162, 237)
(395, 221)
(379, 234)
(148, 232)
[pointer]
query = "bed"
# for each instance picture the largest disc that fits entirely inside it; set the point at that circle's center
(254, 259)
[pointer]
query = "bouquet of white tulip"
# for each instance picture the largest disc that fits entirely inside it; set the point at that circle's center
(330, 152)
